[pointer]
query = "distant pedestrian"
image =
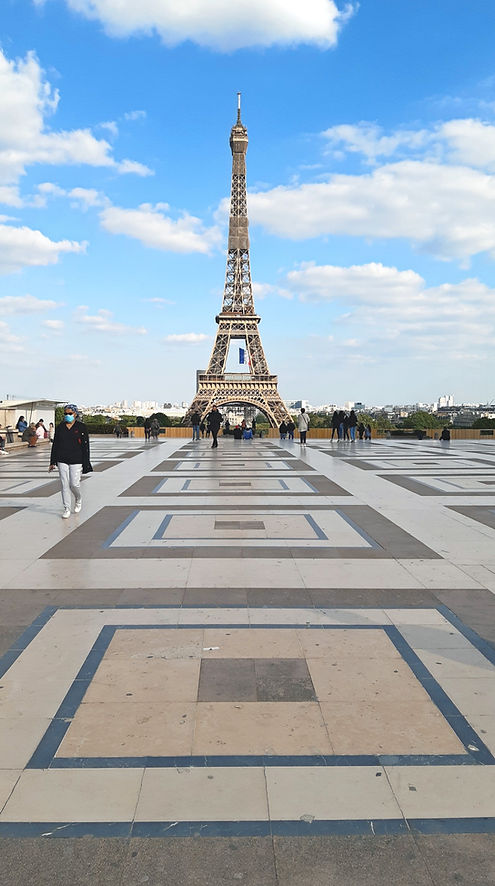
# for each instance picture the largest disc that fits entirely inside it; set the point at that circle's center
(303, 425)
(155, 429)
(195, 422)
(70, 454)
(283, 430)
(290, 429)
(361, 430)
(253, 425)
(41, 431)
(117, 431)
(367, 432)
(147, 428)
(352, 425)
(51, 431)
(2, 445)
(340, 426)
(214, 421)
(445, 435)
(335, 424)
(226, 427)
(202, 428)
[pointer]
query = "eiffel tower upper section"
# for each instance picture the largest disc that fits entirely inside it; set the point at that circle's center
(238, 319)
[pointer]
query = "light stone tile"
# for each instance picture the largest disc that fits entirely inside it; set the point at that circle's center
(439, 574)
(251, 643)
(341, 644)
(348, 573)
(72, 795)
(19, 738)
(214, 616)
(389, 726)
(153, 680)
(484, 725)
(235, 573)
(434, 637)
(418, 617)
(444, 791)
(457, 663)
(138, 646)
(126, 573)
(333, 793)
(260, 728)
(361, 680)
(203, 794)
(318, 616)
(473, 697)
(8, 780)
(158, 729)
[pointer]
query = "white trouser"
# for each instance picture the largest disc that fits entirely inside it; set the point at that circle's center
(70, 478)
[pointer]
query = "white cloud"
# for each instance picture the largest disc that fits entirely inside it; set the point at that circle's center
(446, 210)
(25, 247)
(54, 325)
(159, 302)
(192, 338)
(135, 115)
(26, 304)
(220, 24)
(111, 127)
(148, 224)
(83, 198)
(103, 321)
(9, 343)
(27, 100)
(386, 312)
(263, 290)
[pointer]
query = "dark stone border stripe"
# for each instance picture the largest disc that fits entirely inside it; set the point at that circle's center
(203, 829)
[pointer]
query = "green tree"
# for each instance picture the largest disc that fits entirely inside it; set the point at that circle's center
(162, 419)
(484, 423)
(420, 419)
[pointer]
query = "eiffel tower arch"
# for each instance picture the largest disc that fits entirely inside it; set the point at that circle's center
(237, 319)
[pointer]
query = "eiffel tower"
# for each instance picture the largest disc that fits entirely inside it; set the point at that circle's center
(238, 319)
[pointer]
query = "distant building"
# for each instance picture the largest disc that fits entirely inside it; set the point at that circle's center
(32, 410)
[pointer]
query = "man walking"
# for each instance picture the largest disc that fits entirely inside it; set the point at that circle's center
(214, 421)
(195, 421)
(303, 424)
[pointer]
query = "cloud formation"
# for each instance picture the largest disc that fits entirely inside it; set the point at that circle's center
(386, 312)
(24, 247)
(192, 338)
(222, 25)
(103, 321)
(27, 101)
(151, 226)
(26, 304)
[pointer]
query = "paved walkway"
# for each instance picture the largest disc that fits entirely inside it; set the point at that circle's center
(266, 664)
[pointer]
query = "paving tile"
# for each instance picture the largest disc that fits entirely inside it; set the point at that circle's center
(227, 679)
(365, 680)
(74, 795)
(19, 738)
(150, 680)
(350, 861)
(444, 791)
(329, 793)
(260, 728)
(203, 794)
(196, 862)
(283, 680)
(251, 643)
(389, 726)
(130, 730)
(150, 643)
(339, 646)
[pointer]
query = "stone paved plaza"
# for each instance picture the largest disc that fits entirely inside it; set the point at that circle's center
(265, 664)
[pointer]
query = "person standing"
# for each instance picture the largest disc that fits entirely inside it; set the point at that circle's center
(283, 430)
(303, 424)
(352, 424)
(195, 421)
(51, 431)
(147, 428)
(214, 422)
(335, 424)
(202, 428)
(70, 454)
(290, 429)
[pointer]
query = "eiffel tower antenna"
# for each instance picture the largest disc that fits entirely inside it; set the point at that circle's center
(237, 319)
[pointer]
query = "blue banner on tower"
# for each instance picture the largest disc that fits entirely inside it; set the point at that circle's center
(241, 355)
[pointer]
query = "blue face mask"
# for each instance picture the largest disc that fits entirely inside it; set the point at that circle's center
(69, 418)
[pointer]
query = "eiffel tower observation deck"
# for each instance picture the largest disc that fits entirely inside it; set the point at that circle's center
(238, 319)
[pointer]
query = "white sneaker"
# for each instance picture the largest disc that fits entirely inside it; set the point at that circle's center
(66, 514)
(78, 506)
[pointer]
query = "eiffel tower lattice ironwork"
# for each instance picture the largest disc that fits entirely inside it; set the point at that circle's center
(238, 319)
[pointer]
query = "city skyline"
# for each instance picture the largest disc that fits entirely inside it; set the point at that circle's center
(370, 194)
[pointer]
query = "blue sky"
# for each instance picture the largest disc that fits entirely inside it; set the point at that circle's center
(371, 180)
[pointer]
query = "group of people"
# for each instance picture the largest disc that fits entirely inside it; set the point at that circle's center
(286, 429)
(345, 425)
(151, 429)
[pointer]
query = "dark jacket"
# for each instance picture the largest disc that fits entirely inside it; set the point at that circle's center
(83, 439)
(195, 419)
(215, 420)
